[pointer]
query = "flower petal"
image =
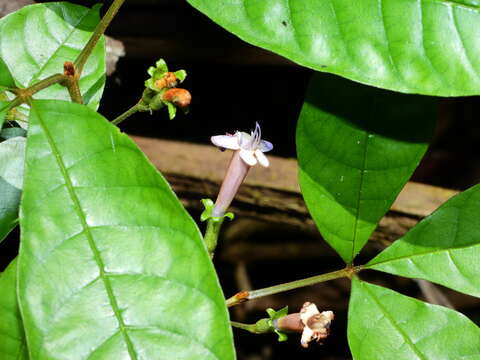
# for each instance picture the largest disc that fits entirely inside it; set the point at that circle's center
(262, 159)
(265, 146)
(248, 156)
(244, 140)
(226, 141)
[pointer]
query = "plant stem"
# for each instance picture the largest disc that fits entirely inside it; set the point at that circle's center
(263, 326)
(134, 109)
(42, 84)
(211, 234)
(74, 91)
(71, 82)
(24, 95)
(14, 103)
(254, 294)
(239, 325)
(99, 31)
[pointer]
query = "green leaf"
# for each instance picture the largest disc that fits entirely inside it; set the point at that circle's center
(443, 248)
(428, 46)
(357, 146)
(38, 39)
(111, 265)
(172, 110)
(12, 336)
(6, 79)
(383, 324)
(3, 112)
(12, 154)
(181, 75)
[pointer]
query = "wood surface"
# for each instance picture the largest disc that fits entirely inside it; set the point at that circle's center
(271, 194)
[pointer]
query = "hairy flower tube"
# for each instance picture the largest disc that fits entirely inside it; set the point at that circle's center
(248, 151)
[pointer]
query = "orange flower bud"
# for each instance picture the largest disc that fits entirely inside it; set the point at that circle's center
(180, 97)
(169, 80)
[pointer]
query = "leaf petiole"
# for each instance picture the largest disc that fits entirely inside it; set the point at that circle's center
(244, 296)
(140, 106)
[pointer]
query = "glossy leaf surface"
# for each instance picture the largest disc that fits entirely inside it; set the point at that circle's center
(383, 324)
(443, 248)
(12, 336)
(111, 265)
(12, 154)
(356, 149)
(428, 47)
(38, 39)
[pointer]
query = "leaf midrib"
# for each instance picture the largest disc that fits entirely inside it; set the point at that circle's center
(362, 175)
(430, 252)
(91, 242)
(422, 254)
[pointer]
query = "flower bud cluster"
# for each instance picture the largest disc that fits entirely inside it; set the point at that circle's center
(161, 90)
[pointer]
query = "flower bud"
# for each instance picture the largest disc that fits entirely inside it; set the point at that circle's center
(169, 80)
(180, 97)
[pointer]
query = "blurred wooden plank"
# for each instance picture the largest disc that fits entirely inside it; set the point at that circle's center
(196, 171)
(421, 199)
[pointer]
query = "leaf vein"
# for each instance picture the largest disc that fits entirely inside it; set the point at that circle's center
(387, 316)
(467, 57)
(74, 29)
(425, 52)
(91, 241)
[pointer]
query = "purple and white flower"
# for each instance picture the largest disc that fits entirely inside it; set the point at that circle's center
(251, 146)
(248, 150)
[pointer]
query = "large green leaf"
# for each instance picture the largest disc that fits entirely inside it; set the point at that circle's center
(111, 265)
(383, 324)
(357, 146)
(443, 248)
(12, 154)
(12, 336)
(416, 46)
(38, 39)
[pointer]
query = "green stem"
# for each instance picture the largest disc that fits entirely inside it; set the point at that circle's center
(260, 327)
(24, 95)
(134, 109)
(211, 234)
(49, 81)
(99, 31)
(249, 295)
(239, 325)
(14, 103)
(74, 90)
